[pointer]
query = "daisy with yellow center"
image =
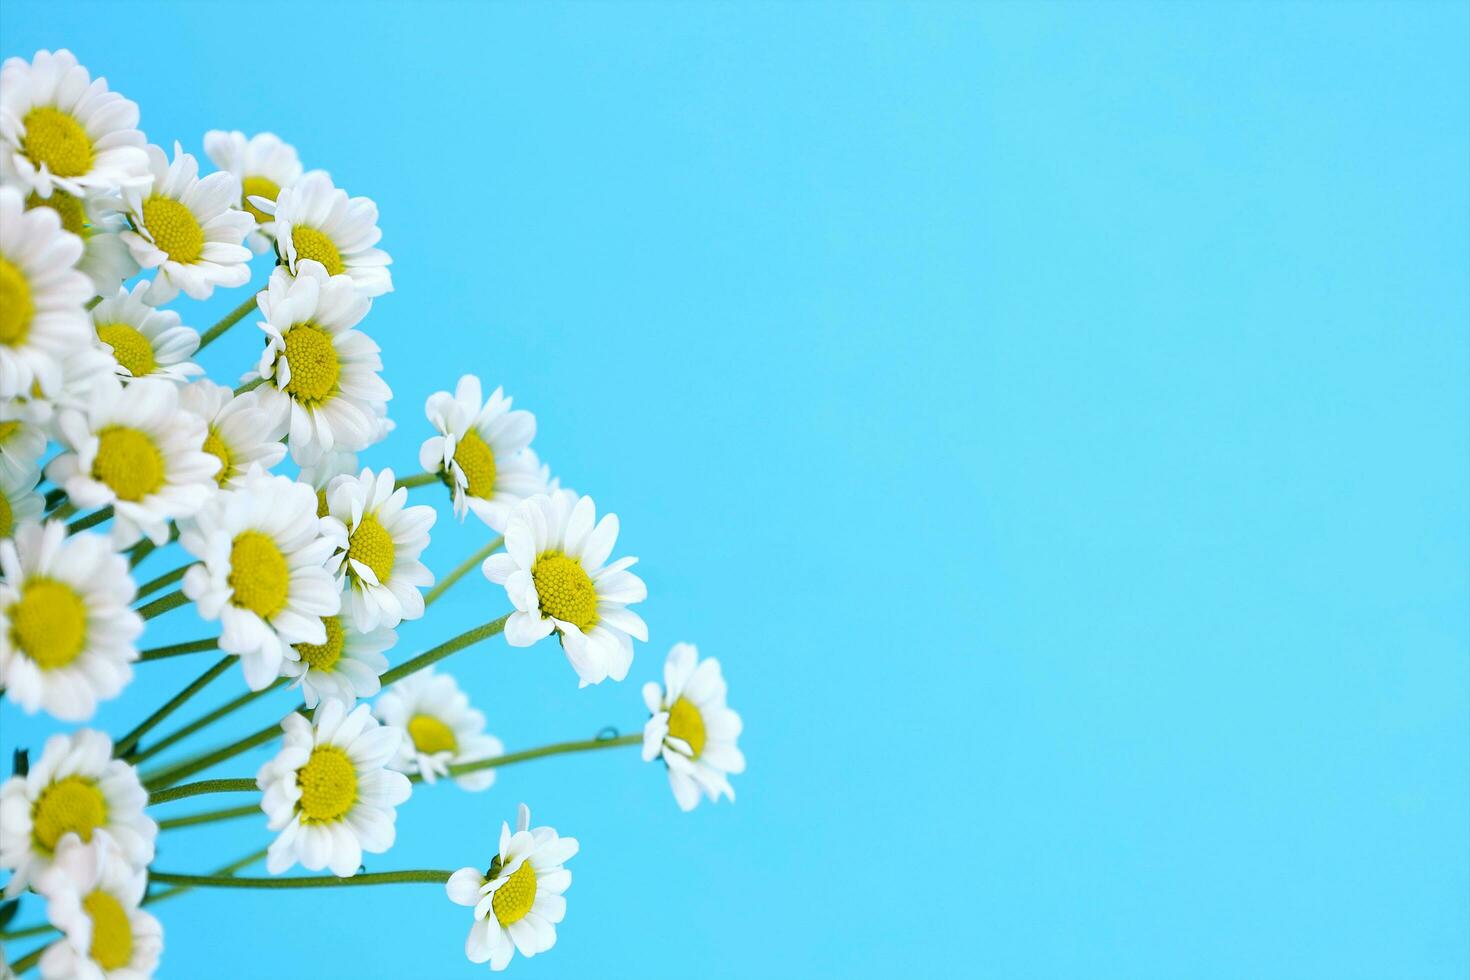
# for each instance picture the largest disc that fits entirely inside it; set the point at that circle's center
(555, 571)
(378, 541)
(345, 666)
(20, 504)
(482, 452)
(143, 341)
(328, 793)
(93, 895)
(22, 442)
(321, 375)
(265, 165)
(188, 228)
(260, 572)
(75, 787)
(439, 727)
(318, 222)
(519, 899)
(61, 129)
(137, 450)
(320, 474)
(98, 221)
(67, 634)
(42, 297)
(240, 433)
(81, 368)
(692, 729)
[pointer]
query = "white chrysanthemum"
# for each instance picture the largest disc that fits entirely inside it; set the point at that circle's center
(188, 228)
(42, 296)
(327, 467)
(319, 222)
(93, 895)
(261, 571)
(143, 341)
(520, 900)
(439, 727)
(67, 636)
(482, 451)
(82, 368)
(20, 504)
(75, 787)
(554, 571)
(61, 129)
(264, 164)
(135, 449)
(344, 667)
(321, 375)
(98, 221)
(22, 442)
(378, 542)
(240, 432)
(692, 728)
(328, 790)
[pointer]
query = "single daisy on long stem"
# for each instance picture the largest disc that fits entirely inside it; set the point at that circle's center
(439, 729)
(692, 729)
(378, 541)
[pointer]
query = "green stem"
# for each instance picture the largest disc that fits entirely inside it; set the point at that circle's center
(148, 588)
(54, 498)
(319, 881)
(210, 816)
(492, 628)
(27, 932)
(228, 869)
(250, 385)
(91, 520)
(460, 571)
(148, 724)
(146, 547)
(202, 722)
(172, 776)
(417, 480)
(558, 748)
(202, 787)
(231, 318)
(179, 649)
(162, 605)
(29, 960)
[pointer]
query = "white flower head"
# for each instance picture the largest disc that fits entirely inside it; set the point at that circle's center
(692, 728)
(265, 165)
(328, 792)
(240, 432)
(520, 899)
(482, 451)
(20, 504)
(439, 727)
(94, 896)
(98, 221)
(75, 787)
(67, 634)
(82, 368)
(345, 666)
(145, 342)
(42, 297)
(378, 540)
(188, 228)
(22, 442)
(318, 222)
(555, 571)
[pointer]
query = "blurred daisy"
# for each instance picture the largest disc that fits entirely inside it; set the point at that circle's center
(145, 342)
(327, 791)
(554, 571)
(75, 787)
(240, 433)
(187, 228)
(42, 296)
(319, 474)
(481, 452)
(440, 729)
(82, 369)
(99, 223)
(67, 636)
(264, 164)
(317, 221)
(691, 728)
(93, 895)
(378, 543)
(261, 572)
(519, 900)
(345, 666)
(60, 129)
(20, 504)
(22, 443)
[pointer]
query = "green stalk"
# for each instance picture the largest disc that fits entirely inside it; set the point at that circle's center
(129, 740)
(179, 649)
(148, 588)
(204, 721)
(163, 604)
(202, 787)
(417, 480)
(460, 571)
(91, 520)
(228, 869)
(318, 881)
(230, 319)
(558, 748)
(210, 816)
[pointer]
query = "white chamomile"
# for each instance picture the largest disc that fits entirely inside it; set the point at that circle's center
(145, 342)
(345, 666)
(94, 896)
(22, 442)
(98, 221)
(265, 165)
(20, 504)
(378, 541)
(439, 727)
(692, 729)
(42, 296)
(316, 221)
(240, 433)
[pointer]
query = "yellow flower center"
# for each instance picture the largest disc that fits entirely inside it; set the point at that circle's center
(312, 244)
(258, 187)
(314, 365)
(258, 574)
(16, 305)
(477, 459)
(48, 623)
(324, 656)
(57, 140)
(112, 933)
(565, 590)
(7, 517)
(128, 462)
(514, 898)
(131, 349)
(174, 228)
(8, 429)
(215, 445)
(687, 723)
(328, 784)
(373, 546)
(431, 735)
(67, 207)
(73, 805)
(321, 503)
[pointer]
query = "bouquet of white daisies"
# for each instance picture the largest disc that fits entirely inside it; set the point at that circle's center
(131, 485)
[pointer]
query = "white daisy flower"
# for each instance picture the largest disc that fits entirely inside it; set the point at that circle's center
(327, 467)
(692, 728)
(75, 787)
(22, 442)
(328, 792)
(67, 636)
(42, 296)
(264, 164)
(98, 221)
(554, 571)
(321, 375)
(20, 504)
(519, 900)
(135, 449)
(187, 228)
(93, 895)
(439, 727)
(317, 221)
(378, 542)
(61, 129)
(345, 667)
(240, 433)
(145, 342)
(482, 452)
(261, 572)
(82, 368)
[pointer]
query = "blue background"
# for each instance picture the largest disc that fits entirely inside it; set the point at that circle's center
(1054, 418)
